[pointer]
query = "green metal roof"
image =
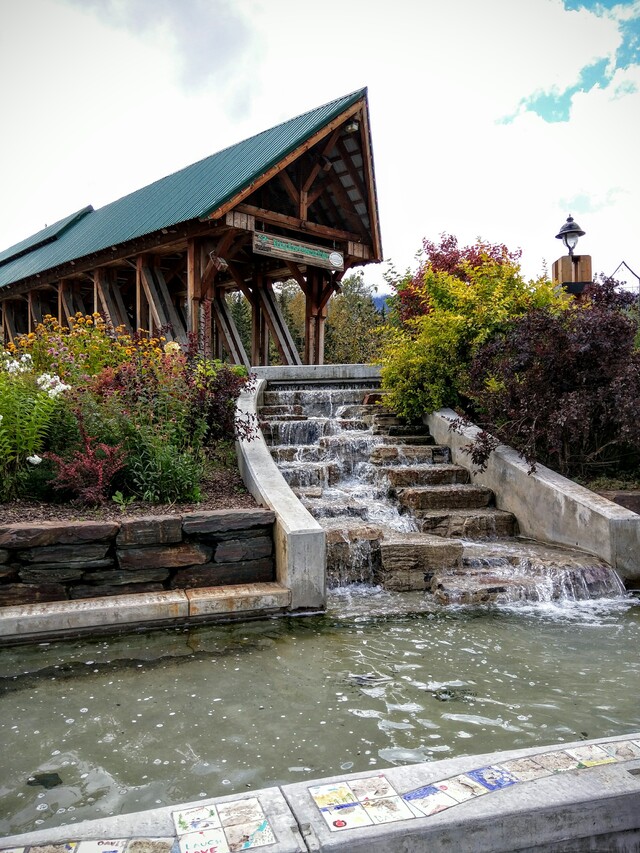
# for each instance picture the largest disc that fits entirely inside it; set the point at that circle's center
(192, 193)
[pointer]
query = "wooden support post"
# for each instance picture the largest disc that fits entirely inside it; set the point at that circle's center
(194, 291)
(319, 290)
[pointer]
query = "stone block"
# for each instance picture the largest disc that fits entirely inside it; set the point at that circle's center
(450, 497)
(89, 591)
(28, 535)
(221, 520)
(78, 553)
(169, 556)
(4, 555)
(223, 574)
(237, 550)
(59, 574)
(152, 530)
(23, 593)
(117, 577)
(83, 565)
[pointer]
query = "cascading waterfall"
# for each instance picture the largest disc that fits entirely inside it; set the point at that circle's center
(360, 474)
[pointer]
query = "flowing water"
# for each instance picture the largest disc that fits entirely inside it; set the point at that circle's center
(94, 728)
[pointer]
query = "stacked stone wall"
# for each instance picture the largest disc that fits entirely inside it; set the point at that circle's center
(57, 561)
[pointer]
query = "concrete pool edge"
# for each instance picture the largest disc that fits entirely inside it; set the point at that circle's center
(599, 802)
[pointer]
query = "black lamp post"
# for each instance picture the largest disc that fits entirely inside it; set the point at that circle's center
(569, 234)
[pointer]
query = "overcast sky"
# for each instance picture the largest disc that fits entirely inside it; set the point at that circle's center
(490, 118)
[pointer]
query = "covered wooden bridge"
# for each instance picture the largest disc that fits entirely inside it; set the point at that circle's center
(297, 201)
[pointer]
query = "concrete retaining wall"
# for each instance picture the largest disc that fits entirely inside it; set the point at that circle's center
(549, 507)
(300, 541)
(590, 806)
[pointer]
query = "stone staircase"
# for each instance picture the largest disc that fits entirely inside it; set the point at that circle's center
(397, 512)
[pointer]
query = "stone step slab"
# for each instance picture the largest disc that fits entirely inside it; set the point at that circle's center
(467, 523)
(455, 496)
(399, 454)
(409, 560)
(425, 475)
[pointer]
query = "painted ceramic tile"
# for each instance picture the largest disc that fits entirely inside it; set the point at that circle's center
(63, 847)
(558, 762)
(210, 841)
(387, 810)
(525, 769)
(332, 795)
(247, 836)
(430, 800)
(345, 816)
(116, 846)
(591, 755)
(240, 811)
(622, 750)
(12, 849)
(493, 778)
(151, 845)
(197, 819)
(372, 789)
(462, 788)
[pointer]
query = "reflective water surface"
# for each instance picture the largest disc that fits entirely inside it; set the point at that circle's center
(115, 725)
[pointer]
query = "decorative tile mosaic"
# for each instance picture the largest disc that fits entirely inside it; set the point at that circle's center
(150, 845)
(430, 800)
(462, 788)
(231, 826)
(590, 756)
(525, 769)
(365, 802)
(105, 846)
(622, 750)
(62, 847)
(209, 841)
(493, 778)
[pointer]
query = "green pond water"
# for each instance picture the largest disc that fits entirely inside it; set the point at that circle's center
(99, 727)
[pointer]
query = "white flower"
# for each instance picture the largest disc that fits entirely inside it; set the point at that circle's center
(53, 385)
(34, 460)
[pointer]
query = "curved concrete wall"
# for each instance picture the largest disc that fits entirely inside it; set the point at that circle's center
(548, 506)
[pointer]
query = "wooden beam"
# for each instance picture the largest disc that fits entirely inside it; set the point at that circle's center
(292, 192)
(179, 331)
(367, 157)
(353, 172)
(278, 167)
(273, 218)
(297, 275)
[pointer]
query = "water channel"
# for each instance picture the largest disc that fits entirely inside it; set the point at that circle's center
(94, 728)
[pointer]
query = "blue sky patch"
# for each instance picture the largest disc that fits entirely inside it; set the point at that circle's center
(554, 105)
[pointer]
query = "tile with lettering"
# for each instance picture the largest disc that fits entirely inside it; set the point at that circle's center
(332, 795)
(240, 811)
(372, 789)
(247, 836)
(196, 819)
(493, 778)
(387, 809)
(525, 769)
(345, 816)
(151, 845)
(105, 846)
(591, 755)
(430, 800)
(622, 750)
(209, 841)
(462, 788)
(558, 762)
(62, 847)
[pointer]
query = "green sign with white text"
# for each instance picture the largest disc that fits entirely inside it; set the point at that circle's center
(293, 250)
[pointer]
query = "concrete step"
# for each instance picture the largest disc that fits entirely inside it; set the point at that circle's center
(400, 454)
(425, 475)
(456, 496)
(467, 523)
(178, 606)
